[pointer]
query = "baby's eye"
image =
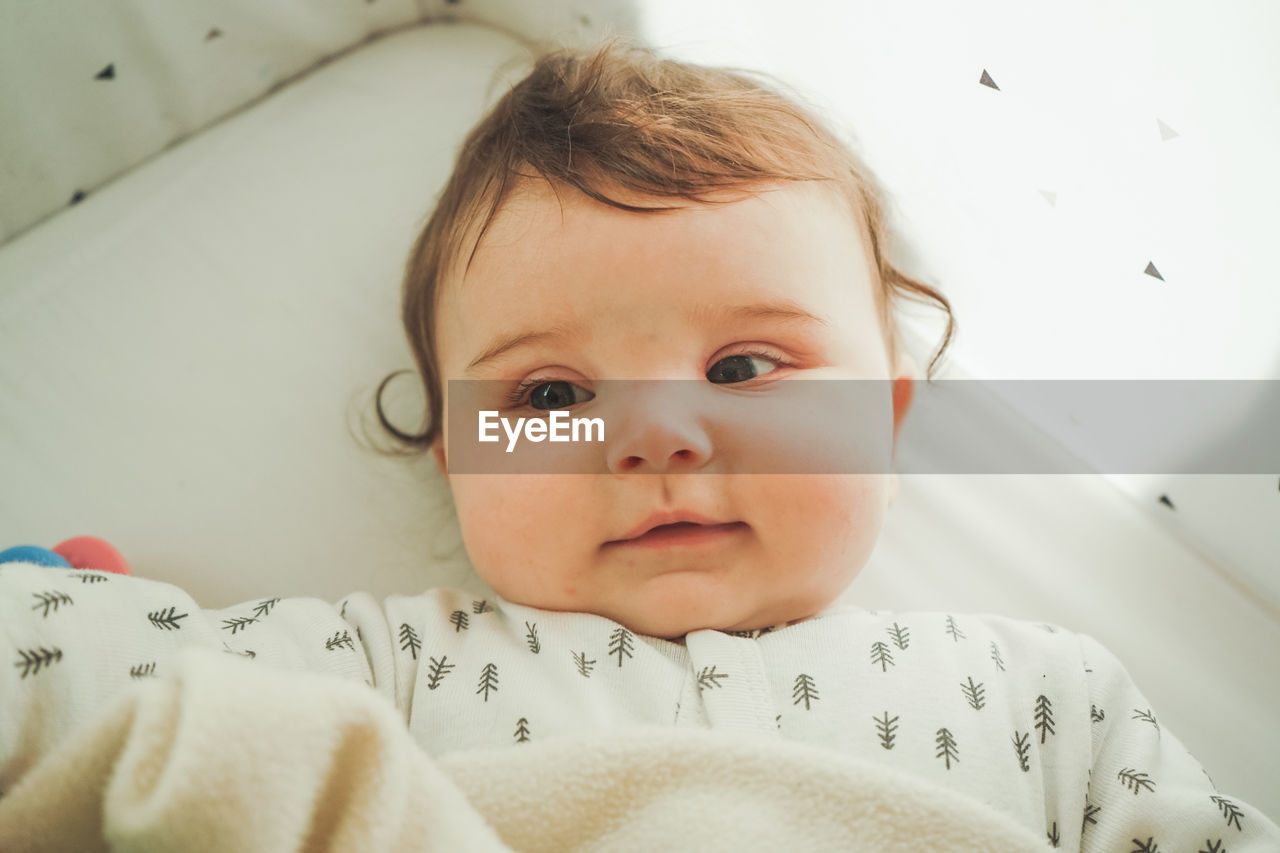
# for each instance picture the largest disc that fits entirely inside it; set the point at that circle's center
(739, 368)
(555, 394)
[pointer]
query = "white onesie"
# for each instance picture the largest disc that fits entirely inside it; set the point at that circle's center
(1037, 721)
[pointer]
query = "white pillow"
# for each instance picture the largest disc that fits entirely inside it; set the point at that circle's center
(181, 354)
(90, 89)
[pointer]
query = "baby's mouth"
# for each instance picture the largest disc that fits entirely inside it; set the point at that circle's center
(683, 533)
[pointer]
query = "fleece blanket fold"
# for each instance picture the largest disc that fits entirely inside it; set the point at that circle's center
(182, 762)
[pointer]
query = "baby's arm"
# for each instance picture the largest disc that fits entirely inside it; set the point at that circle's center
(72, 639)
(1146, 791)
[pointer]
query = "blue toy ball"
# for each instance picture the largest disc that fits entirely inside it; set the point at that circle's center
(32, 554)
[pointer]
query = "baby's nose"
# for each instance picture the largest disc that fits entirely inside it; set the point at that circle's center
(656, 426)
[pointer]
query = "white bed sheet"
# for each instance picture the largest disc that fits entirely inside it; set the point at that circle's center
(181, 356)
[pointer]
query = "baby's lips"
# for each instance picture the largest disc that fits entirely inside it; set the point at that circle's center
(90, 552)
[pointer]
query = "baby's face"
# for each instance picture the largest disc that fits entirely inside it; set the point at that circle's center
(630, 281)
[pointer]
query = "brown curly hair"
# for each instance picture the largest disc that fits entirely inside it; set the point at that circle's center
(621, 115)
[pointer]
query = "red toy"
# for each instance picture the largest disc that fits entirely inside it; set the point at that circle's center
(90, 552)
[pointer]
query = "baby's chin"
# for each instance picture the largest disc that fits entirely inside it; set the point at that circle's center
(670, 605)
(672, 620)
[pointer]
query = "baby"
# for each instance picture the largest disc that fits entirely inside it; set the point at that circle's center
(618, 216)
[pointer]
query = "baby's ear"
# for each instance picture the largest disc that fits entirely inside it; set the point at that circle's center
(437, 447)
(905, 374)
(906, 367)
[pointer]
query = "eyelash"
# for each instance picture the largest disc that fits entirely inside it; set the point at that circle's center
(515, 396)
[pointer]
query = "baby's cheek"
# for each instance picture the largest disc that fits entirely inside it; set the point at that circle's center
(827, 498)
(836, 516)
(859, 500)
(520, 530)
(497, 515)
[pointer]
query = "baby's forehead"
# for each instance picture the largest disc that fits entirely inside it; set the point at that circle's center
(545, 225)
(534, 207)
(553, 252)
(541, 223)
(528, 197)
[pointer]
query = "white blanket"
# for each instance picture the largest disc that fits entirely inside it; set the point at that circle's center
(183, 762)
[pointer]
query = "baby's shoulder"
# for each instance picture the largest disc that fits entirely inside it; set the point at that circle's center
(989, 641)
(954, 626)
(443, 604)
(446, 598)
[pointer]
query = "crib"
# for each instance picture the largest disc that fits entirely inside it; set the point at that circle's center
(205, 211)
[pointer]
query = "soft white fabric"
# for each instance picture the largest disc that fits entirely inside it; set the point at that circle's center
(1040, 724)
(90, 89)
(222, 755)
(184, 370)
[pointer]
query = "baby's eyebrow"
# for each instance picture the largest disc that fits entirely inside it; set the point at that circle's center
(783, 311)
(506, 344)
